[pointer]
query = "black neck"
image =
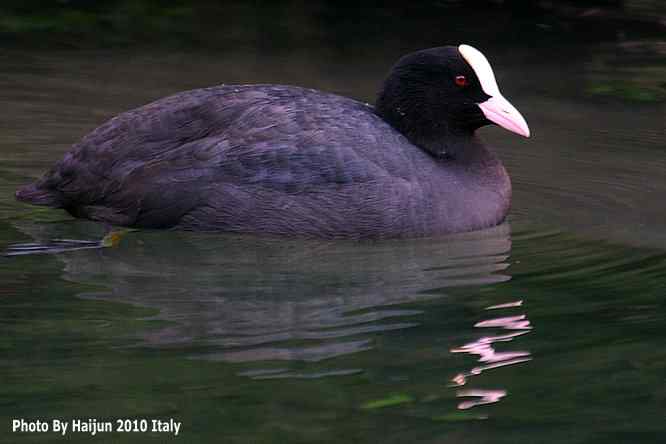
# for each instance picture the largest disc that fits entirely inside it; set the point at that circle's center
(439, 137)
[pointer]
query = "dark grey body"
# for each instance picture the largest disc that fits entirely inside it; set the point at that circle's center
(272, 159)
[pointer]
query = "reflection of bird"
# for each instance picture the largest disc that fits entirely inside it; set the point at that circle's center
(277, 299)
(287, 160)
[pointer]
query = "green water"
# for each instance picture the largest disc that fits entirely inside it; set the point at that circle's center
(547, 329)
(247, 340)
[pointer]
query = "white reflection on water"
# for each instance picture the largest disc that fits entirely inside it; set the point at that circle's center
(484, 397)
(491, 358)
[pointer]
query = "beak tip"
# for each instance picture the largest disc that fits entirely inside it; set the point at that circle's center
(500, 112)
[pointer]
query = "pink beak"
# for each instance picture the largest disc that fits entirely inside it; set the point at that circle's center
(498, 110)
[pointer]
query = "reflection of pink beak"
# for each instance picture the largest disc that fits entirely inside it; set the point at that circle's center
(498, 110)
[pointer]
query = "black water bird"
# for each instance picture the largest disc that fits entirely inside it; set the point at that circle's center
(285, 160)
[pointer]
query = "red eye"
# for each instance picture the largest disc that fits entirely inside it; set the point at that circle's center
(461, 80)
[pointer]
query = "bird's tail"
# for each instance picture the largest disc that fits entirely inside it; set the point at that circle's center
(38, 194)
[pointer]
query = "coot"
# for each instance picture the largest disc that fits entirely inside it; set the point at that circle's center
(285, 160)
